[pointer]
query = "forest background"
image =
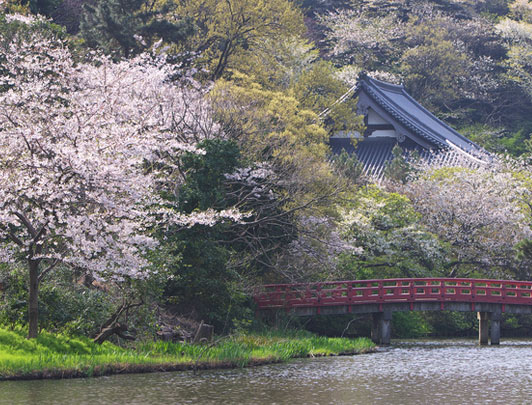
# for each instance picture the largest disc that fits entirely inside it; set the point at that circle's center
(220, 177)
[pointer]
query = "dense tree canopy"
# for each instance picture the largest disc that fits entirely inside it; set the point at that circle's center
(188, 141)
(76, 139)
(126, 27)
(464, 60)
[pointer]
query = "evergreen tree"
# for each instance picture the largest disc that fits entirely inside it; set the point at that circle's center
(399, 169)
(126, 27)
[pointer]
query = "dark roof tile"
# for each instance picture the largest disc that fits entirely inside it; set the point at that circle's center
(398, 103)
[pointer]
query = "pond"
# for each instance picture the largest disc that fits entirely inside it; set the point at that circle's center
(421, 372)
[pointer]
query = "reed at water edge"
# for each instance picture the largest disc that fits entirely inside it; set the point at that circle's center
(60, 356)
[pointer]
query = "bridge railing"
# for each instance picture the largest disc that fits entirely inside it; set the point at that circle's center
(394, 291)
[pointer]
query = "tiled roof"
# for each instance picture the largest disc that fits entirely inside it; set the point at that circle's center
(373, 153)
(408, 112)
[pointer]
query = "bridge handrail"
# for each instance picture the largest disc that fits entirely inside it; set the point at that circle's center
(352, 292)
(451, 279)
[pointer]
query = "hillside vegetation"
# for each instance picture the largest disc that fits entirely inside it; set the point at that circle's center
(159, 160)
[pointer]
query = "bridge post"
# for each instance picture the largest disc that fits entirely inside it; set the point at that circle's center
(483, 318)
(375, 327)
(495, 332)
(381, 328)
(386, 327)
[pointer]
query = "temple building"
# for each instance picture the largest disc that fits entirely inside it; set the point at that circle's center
(392, 117)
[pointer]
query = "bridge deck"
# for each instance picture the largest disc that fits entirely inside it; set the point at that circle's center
(457, 294)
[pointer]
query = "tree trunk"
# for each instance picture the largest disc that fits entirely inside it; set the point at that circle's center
(33, 304)
(222, 61)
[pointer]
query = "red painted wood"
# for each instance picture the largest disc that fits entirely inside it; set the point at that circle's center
(398, 290)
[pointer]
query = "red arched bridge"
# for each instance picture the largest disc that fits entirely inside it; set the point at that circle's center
(490, 298)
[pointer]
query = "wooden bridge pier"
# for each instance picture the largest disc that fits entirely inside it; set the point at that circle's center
(381, 327)
(489, 328)
(483, 318)
(494, 330)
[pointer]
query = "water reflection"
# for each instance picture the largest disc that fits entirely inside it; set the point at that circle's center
(450, 372)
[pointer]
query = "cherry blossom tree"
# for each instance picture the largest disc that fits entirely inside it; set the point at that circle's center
(481, 213)
(85, 149)
(451, 60)
(390, 237)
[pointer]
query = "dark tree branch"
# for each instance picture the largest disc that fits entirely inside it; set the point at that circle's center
(48, 269)
(33, 232)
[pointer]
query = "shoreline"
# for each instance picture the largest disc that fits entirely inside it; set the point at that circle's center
(56, 356)
(132, 368)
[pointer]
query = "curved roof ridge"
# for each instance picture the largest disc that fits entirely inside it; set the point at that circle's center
(441, 121)
(394, 109)
(380, 91)
(392, 86)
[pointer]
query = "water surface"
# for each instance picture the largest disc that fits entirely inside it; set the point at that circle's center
(431, 372)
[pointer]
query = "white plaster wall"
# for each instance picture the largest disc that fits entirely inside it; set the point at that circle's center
(390, 133)
(345, 134)
(375, 119)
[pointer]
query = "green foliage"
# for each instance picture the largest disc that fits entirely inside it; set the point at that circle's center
(111, 25)
(13, 295)
(9, 29)
(517, 325)
(64, 305)
(272, 126)
(515, 141)
(44, 7)
(516, 144)
(201, 282)
(205, 180)
(126, 27)
(74, 309)
(431, 68)
(14, 7)
(317, 89)
(280, 63)
(490, 138)
(231, 33)
(399, 168)
(452, 324)
(525, 249)
(410, 325)
(348, 325)
(59, 355)
(347, 165)
(386, 228)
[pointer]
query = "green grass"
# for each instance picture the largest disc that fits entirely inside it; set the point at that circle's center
(55, 356)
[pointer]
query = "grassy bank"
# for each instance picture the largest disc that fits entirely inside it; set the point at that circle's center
(58, 356)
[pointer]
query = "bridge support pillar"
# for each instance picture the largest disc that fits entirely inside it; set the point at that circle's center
(483, 318)
(375, 327)
(495, 330)
(381, 328)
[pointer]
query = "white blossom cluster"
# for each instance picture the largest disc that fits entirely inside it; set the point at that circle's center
(481, 212)
(351, 30)
(349, 75)
(515, 31)
(80, 150)
(316, 251)
(252, 175)
(257, 180)
(25, 19)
